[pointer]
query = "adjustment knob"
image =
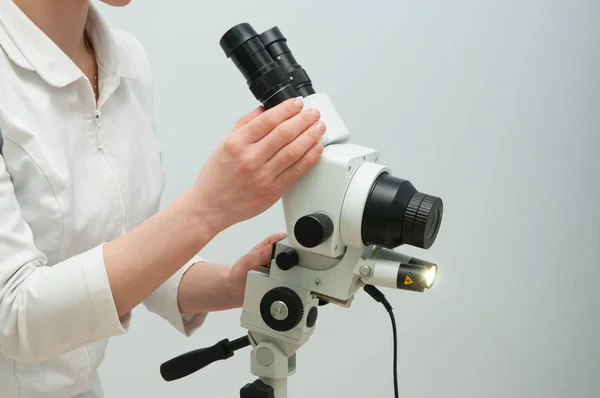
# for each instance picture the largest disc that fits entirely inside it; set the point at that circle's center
(313, 229)
(311, 318)
(287, 259)
(258, 389)
(281, 308)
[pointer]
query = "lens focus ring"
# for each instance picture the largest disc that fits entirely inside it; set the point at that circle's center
(426, 223)
(410, 215)
(422, 220)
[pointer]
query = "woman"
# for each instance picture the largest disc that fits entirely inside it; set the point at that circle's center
(82, 240)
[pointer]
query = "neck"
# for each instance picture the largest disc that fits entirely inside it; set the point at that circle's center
(63, 21)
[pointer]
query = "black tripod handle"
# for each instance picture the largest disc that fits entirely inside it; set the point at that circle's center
(190, 362)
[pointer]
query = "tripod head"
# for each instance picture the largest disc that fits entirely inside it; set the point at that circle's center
(345, 217)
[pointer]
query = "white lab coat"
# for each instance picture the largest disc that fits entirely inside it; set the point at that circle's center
(73, 175)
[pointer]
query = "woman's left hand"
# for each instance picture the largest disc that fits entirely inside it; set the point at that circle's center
(260, 255)
(208, 287)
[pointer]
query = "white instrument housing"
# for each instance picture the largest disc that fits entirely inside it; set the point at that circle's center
(338, 185)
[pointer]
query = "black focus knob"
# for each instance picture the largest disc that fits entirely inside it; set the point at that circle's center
(313, 229)
(282, 309)
(287, 259)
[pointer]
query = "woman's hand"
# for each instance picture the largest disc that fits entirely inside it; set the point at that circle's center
(264, 154)
(253, 166)
(210, 287)
(260, 255)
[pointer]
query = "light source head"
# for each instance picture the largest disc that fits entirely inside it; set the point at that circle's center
(387, 268)
(416, 277)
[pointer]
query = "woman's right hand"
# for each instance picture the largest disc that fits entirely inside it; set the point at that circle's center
(263, 155)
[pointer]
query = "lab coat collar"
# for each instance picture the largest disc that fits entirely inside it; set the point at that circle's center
(30, 48)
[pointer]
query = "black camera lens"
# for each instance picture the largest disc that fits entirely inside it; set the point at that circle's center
(266, 79)
(276, 44)
(396, 214)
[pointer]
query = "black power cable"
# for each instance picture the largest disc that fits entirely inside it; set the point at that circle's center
(380, 297)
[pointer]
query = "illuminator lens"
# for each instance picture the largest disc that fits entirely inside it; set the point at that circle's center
(416, 277)
(430, 276)
(267, 81)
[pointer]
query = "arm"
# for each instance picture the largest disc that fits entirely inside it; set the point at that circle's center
(247, 174)
(164, 303)
(139, 262)
(208, 287)
(39, 304)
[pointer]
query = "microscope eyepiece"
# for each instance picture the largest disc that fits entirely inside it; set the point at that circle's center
(266, 79)
(396, 214)
(235, 37)
(276, 44)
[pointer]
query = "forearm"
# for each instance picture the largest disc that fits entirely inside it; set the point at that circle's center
(140, 261)
(208, 287)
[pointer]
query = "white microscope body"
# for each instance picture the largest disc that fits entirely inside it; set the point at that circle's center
(343, 218)
(337, 187)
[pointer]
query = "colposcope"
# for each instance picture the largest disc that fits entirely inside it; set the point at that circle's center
(344, 218)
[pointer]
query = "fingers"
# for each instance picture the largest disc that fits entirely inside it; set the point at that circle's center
(261, 253)
(254, 259)
(267, 242)
(248, 117)
(285, 133)
(257, 128)
(295, 150)
(264, 256)
(259, 256)
(292, 173)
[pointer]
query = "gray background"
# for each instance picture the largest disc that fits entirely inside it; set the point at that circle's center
(492, 105)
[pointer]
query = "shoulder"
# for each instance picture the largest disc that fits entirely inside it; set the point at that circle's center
(132, 53)
(129, 43)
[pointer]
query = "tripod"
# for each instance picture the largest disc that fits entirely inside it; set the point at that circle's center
(268, 360)
(281, 318)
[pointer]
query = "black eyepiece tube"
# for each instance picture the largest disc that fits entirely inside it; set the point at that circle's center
(276, 44)
(266, 79)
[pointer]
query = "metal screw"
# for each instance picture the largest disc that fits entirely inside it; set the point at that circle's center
(365, 270)
(265, 357)
(279, 310)
(318, 282)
